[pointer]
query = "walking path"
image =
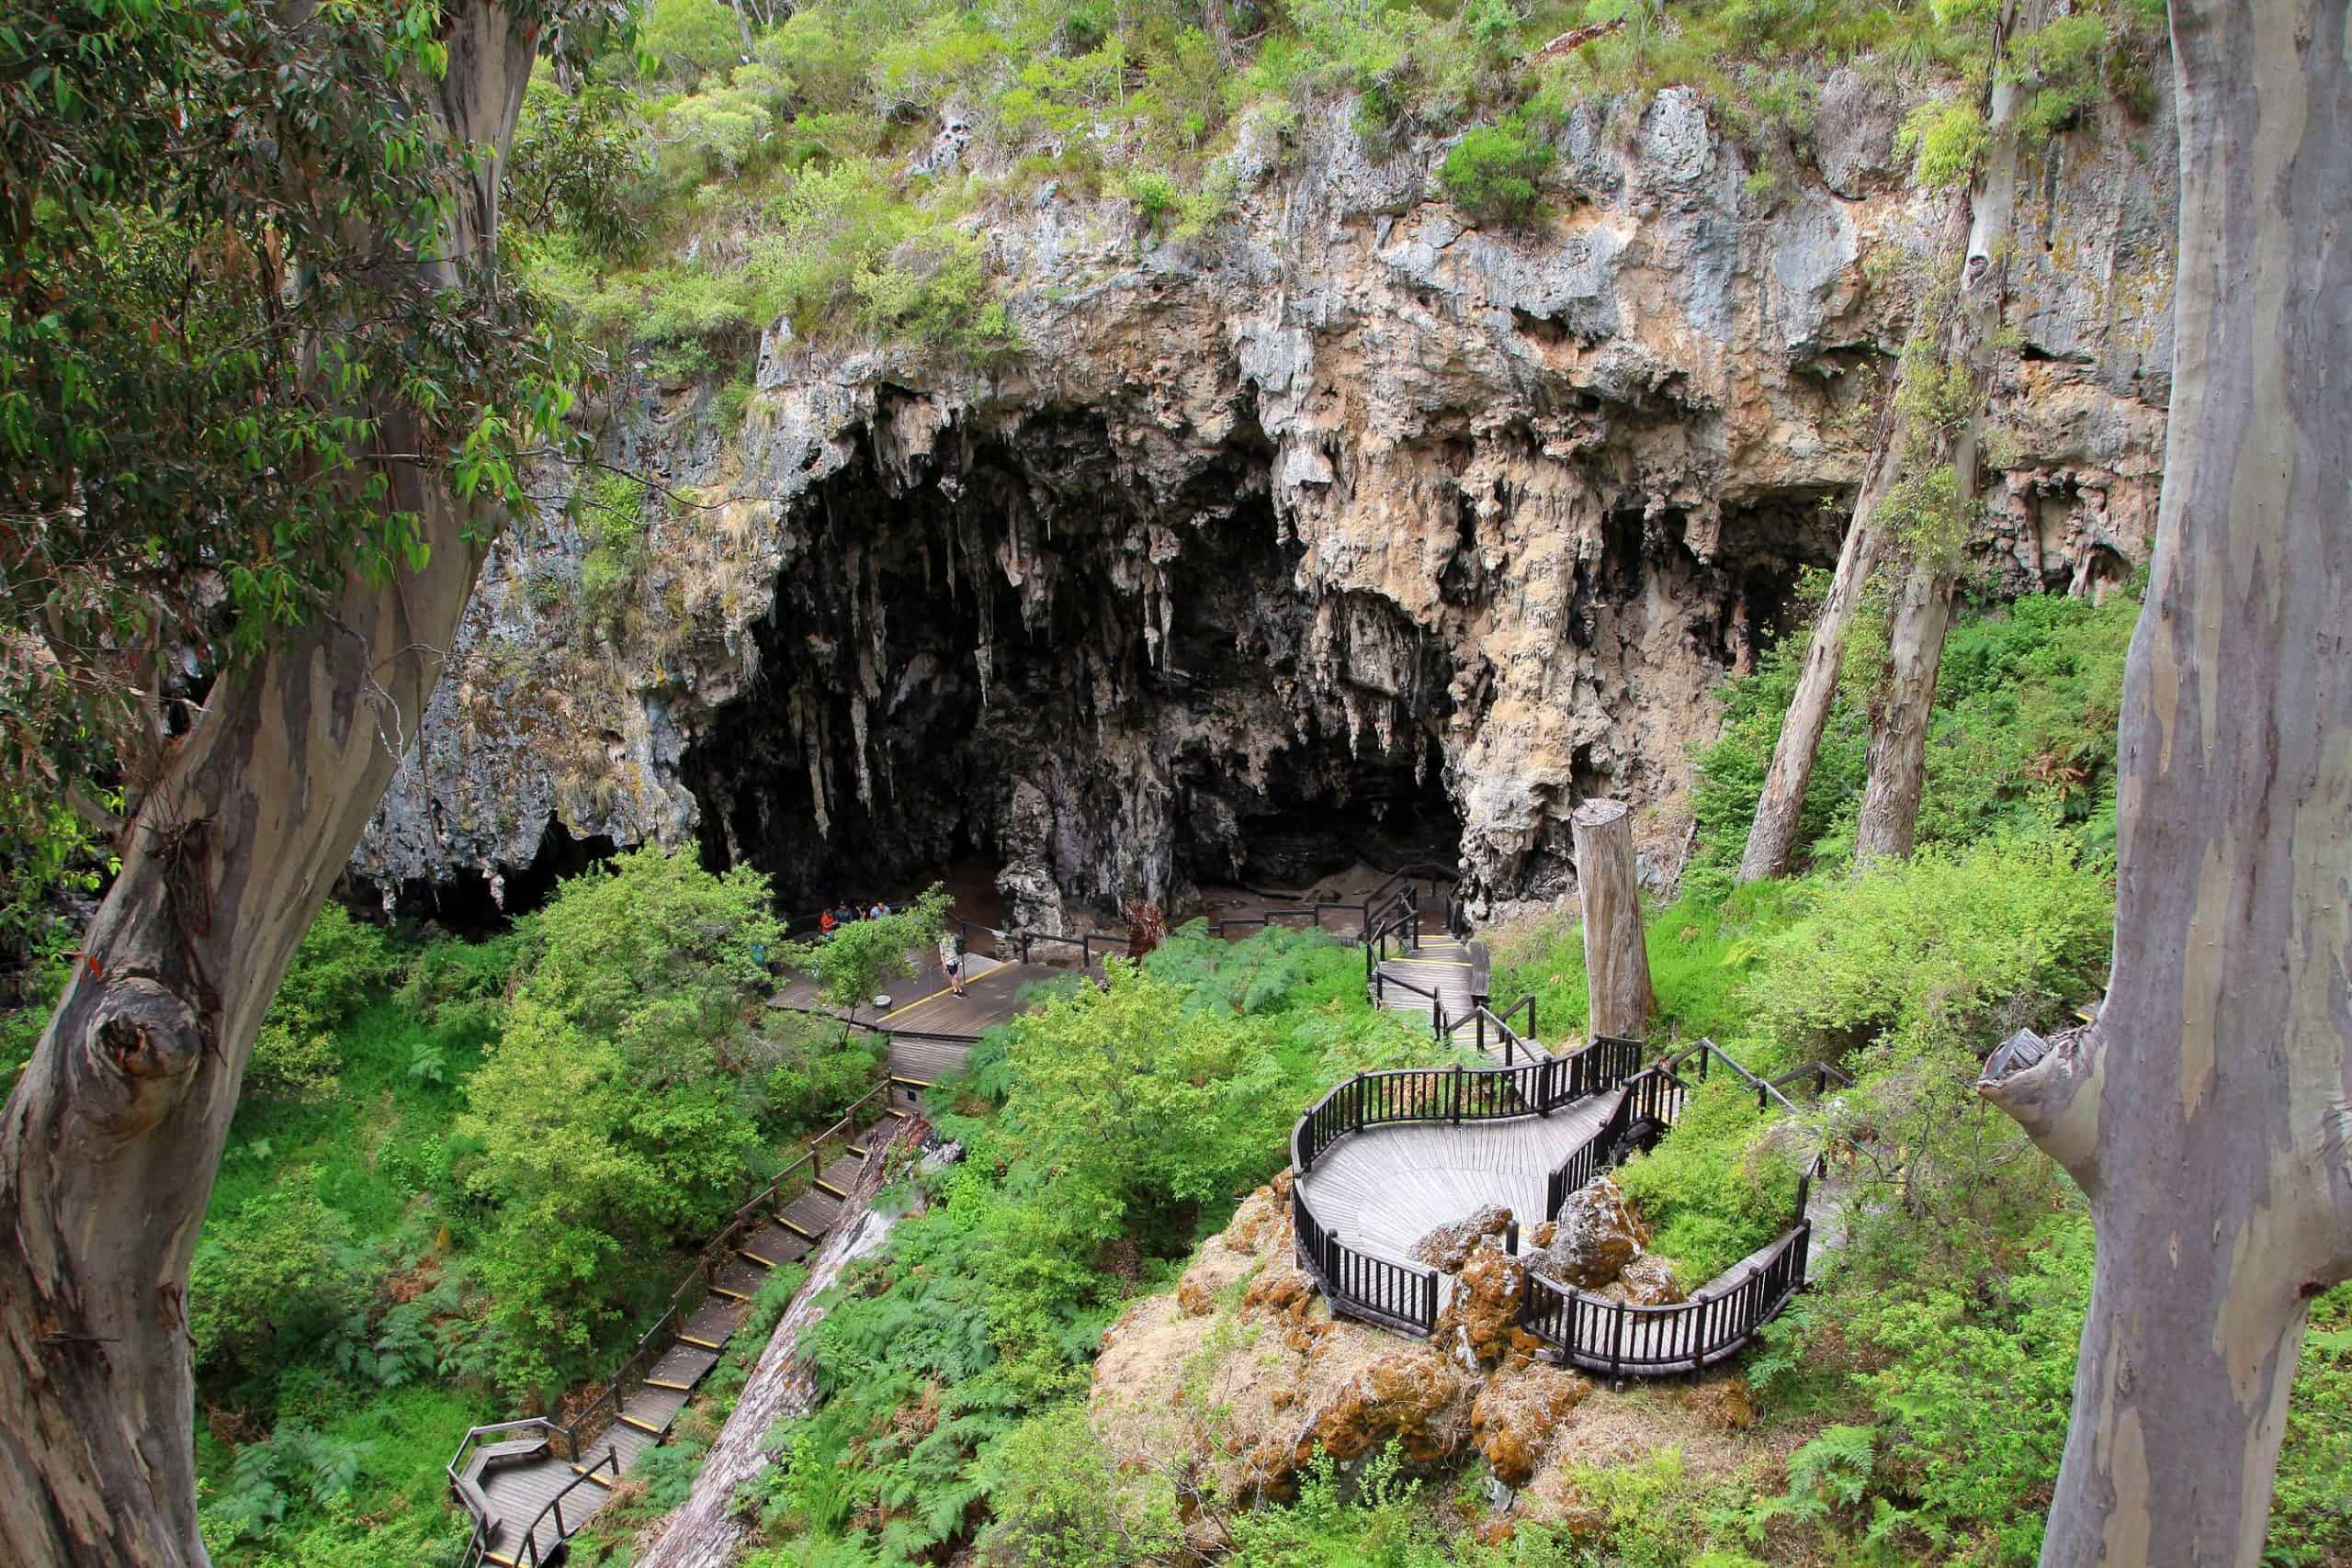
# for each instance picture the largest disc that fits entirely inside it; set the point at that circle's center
(531, 1484)
(1387, 1158)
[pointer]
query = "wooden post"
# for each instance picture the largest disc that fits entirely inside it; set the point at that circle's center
(1616, 965)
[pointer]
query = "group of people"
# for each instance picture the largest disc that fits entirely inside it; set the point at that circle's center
(951, 946)
(840, 915)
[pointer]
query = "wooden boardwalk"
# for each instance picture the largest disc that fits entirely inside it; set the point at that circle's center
(532, 1498)
(1385, 1188)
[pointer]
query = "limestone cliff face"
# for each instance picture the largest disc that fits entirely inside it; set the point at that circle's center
(1347, 529)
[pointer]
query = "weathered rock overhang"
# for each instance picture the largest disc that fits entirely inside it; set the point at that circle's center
(1350, 522)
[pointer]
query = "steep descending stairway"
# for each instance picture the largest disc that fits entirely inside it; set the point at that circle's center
(531, 1493)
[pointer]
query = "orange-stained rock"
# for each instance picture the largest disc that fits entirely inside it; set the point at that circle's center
(1647, 1280)
(1541, 1237)
(1412, 1397)
(1481, 1319)
(1730, 1404)
(1517, 1413)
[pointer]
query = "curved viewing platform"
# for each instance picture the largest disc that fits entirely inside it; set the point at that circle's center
(1385, 1160)
(1385, 1188)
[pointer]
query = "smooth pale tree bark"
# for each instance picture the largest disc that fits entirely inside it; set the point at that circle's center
(114, 1133)
(1772, 837)
(1616, 965)
(1889, 819)
(2208, 1114)
(709, 1529)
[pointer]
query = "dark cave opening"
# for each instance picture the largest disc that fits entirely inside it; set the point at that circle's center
(473, 903)
(1108, 688)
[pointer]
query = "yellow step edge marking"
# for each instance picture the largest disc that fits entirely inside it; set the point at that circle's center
(490, 1556)
(943, 991)
(754, 1258)
(700, 1344)
(663, 1383)
(633, 1421)
(821, 1185)
(731, 1296)
(597, 1476)
(794, 1229)
(907, 1083)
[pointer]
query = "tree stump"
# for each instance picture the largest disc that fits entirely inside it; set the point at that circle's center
(1615, 961)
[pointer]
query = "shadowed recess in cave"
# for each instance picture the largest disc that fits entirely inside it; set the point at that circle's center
(476, 903)
(1018, 651)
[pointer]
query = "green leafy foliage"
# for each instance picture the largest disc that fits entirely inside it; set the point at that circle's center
(610, 1116)
(339, 965)
(1494, 173)
(2022, 738)
(1944, 949)
(1714, 1189)
(1130, 1118)
(277, 1278)
(202, 349)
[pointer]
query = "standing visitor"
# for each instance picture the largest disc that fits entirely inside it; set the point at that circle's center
(951, 959)
(825, 924)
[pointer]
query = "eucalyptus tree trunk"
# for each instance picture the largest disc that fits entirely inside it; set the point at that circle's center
(1616, 963)
(111, 1139)
(2208, 1114)
(1922, 615)
(1772, 835)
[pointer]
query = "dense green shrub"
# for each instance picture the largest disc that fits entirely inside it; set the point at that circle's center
(1945, 949)
(276, 1278)
(339, 965)
(810, 1070)
(1494, 173)
(689, 38)
(609, 1116)
(1056, 1503)
(1716, 1188)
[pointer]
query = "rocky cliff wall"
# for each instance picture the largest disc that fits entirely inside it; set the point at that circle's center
(1346, 529)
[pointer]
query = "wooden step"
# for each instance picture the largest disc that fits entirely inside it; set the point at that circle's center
(713, 1324)
(652, 1410)
(841, 1176)
(682, 1366)
(738, 1279)
(812, 1214)
(776, 1244)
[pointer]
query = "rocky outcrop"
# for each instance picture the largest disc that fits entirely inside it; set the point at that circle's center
(1447, 1247)
(1348, 529)
(1228, 1385)
(1596, 1236)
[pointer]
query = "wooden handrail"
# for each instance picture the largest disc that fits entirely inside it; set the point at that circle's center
(656, 1339)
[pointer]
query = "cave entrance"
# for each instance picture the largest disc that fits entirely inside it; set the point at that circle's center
(1015, 662)
(474, 903)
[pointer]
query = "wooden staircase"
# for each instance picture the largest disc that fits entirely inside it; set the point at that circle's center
(529, 1497)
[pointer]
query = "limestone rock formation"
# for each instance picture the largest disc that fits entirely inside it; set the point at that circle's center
(1597, 1234)
(1448, 1246)
(1519, 1413)
(1230, 1384)
(1347, 530)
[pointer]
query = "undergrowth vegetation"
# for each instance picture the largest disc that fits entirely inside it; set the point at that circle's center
(1933, 1369)
(444, 1149)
